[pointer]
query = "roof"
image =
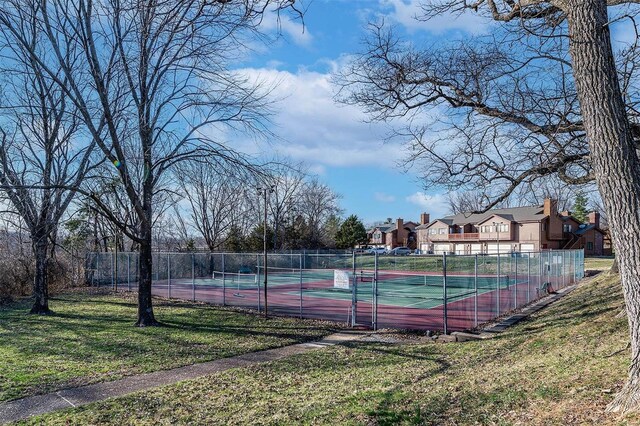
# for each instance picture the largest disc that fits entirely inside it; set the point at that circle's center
(514, 214)
(583, 228)
(385, 227)
(390, 227)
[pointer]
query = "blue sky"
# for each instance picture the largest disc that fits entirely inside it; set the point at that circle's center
(332, 139)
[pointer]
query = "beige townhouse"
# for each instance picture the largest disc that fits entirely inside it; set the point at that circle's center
(519, 229)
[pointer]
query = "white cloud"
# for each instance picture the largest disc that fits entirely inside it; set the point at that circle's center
(436, 205)
(384, 198)
(317, 130)
(404, 12)
(318, 169)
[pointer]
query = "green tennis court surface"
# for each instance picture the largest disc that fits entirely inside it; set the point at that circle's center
(394, 289)
(414, 291)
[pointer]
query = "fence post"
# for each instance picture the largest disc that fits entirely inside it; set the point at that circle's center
(193, 276)
(528, 277)
(475, 286)
(515, 283)
(224, 282)
(374, 295)
(354, 293)
(258, 282)
(300, 263)
(540, 277)
(116, 267)
(129, 271)
(169, 273)
(499, 290)
(112, 272)
(94, 273)
(444, 292)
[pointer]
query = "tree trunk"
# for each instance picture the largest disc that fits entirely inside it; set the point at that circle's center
(40, 281)
(615, 269)
(614, 161)
(146, 317)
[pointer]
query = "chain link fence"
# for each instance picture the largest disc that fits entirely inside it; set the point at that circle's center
(429, 292)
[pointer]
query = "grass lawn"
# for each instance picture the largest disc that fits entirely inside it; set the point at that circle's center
(91, 338)
(561, 366)
(598, 263)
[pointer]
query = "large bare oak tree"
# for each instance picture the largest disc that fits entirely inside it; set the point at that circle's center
(544, 94)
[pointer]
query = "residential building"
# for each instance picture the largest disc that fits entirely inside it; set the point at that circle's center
(399, 234)
(519, 229)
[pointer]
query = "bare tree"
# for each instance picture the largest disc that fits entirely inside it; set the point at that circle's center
(287, 181)
(467, 201)
(216, 195)
(507, 126)
(550, 187)
(42, 157)
(317, 204)
(156, 74)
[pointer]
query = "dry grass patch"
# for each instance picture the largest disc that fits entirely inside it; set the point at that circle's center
(598, 263)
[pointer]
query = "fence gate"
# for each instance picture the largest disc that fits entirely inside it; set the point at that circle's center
(364, 289)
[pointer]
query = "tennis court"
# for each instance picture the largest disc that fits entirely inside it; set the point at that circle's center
(413, 290)
(410, 292)
(395, 288)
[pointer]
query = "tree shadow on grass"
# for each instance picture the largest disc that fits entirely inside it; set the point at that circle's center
(391, 408)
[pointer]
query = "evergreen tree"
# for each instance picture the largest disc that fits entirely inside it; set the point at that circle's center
(580, 211)
(351, 233)
(254, 241)
(331, 229)
(235, 243)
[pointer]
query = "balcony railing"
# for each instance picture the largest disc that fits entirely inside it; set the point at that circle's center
(465, 236)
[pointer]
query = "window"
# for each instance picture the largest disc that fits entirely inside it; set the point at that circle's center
(442, 231)
(488, 229)
(589, 245)
(567, 227)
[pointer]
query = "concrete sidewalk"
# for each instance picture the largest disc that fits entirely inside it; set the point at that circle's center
(74, 397)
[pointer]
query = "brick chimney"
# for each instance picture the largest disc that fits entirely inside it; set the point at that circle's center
(550, 207)
(555, 224)
(401, 234)
(424, 218)
(594, 218)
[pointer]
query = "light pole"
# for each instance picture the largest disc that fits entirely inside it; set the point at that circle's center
(293, 211)
(265, 192)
